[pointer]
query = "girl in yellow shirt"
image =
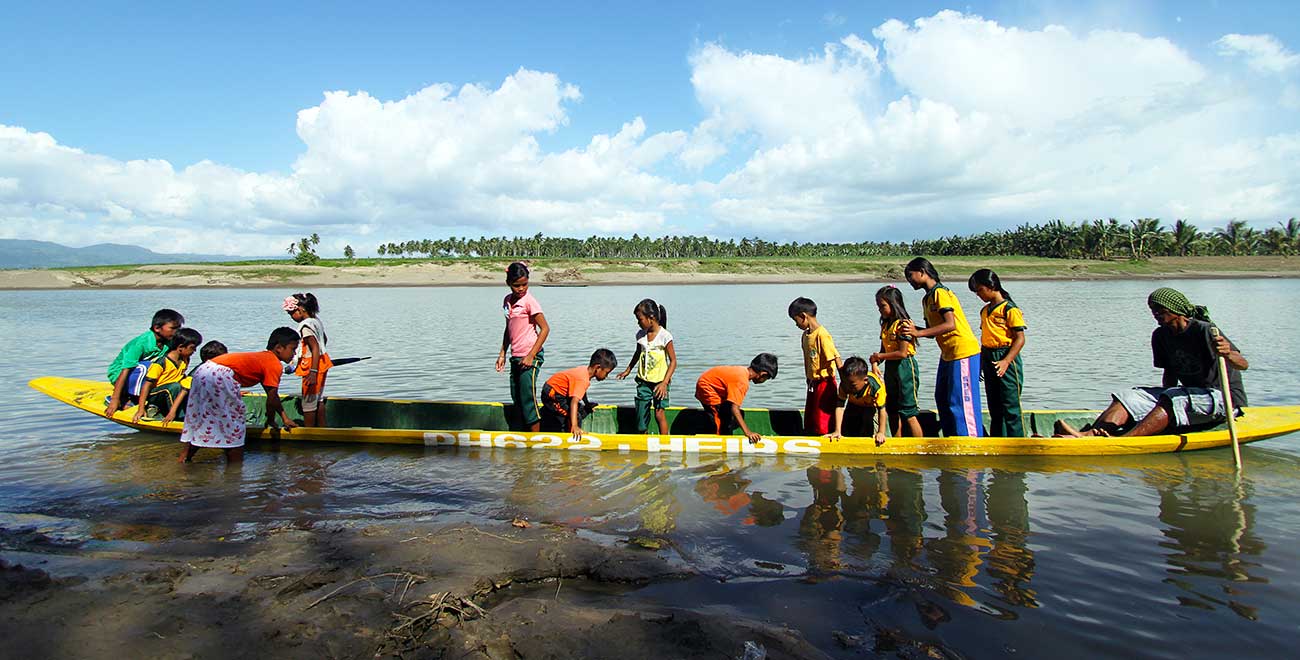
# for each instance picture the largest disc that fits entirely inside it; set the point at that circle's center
(1002, 336)
(956, 386)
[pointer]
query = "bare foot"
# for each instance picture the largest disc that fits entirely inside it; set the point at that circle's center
(1062, 430)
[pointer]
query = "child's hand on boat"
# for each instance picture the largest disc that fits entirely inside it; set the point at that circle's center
(577, 433)
(753, 437)
(139, 412)
(833, 436)
(880, 437)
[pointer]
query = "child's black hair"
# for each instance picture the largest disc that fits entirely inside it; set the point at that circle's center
(892, 295)
(308, 303)
(921, 265)
(803, 306)
(764, 363)
(988, 278)
(603, 357)
(281, 336)
(516, 271)
(652, 310)
(185, 337)
(164, 316)
(212, 349)
(855, 366)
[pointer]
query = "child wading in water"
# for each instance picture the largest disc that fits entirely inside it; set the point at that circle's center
(564, 397)
(956, 386)
(898, 352)
(820, 361)
(313, 358)
(526, 331)
(165, 382)
(215, 417)
(655, 360)
(1002, 336)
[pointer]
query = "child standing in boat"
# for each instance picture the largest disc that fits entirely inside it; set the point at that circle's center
(820, 360)
(655, 360)
(215, 416)
(722, 390)
(956, 386)
(898, 353)
(526, 331)
(313, 358)
(165, 382)
(1002, 336)
(564, 396)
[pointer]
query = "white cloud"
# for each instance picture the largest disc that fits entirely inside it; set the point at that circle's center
(1263, 52)
(442, 157)
(992, 125)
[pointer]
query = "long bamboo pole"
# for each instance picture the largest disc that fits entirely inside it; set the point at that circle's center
(1226, 386)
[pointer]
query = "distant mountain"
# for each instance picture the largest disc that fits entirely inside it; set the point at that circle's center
(43, 254)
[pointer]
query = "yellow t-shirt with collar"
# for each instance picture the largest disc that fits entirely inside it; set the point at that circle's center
(890, 341)
(958, 343)
(874, 395)
(162, 371)
(819, 353)
(996, 323)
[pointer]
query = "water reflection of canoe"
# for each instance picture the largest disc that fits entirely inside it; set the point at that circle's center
(471, 424)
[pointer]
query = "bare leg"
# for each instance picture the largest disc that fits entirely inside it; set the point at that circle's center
(1114, 416)
(535, 426)
(1154, 423)
(234, 455)
(895, 424)
(913, 427)
(187, 452)
(662, 420)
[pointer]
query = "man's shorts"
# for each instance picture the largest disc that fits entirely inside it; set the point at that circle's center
(1190, 406)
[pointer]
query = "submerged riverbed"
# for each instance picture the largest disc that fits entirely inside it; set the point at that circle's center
(1164, 556)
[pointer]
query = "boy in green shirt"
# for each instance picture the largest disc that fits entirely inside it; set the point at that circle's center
(144, 348)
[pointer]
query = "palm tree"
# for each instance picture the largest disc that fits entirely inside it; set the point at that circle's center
(1186, 238)
(1238, 238)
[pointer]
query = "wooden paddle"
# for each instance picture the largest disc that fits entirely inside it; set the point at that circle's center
(1226, 386)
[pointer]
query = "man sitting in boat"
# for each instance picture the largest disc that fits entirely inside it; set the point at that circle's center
(1190, 395)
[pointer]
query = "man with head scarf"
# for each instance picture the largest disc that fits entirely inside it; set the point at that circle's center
(1190, 395)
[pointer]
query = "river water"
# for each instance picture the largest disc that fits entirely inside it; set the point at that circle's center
(1161, 556)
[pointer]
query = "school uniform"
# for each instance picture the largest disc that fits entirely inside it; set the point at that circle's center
(651, 369)
(168, 380)
(998, 323)
(819, 356)
(956, 385)
(903, 376)
(522, 333)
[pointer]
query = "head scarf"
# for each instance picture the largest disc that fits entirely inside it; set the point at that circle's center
(290, 303)
(1174, 301)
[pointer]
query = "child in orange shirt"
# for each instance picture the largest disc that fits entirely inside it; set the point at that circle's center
(215, 416)
(564, 396)
(722, 390)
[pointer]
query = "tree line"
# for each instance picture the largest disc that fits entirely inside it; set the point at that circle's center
(1099, 239)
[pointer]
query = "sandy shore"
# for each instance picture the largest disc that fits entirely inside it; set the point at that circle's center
(626, 272)
(391, 590)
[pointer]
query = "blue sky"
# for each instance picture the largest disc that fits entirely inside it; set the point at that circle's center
(187, 83)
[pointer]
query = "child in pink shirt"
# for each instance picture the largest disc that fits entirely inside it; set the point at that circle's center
(526, 331)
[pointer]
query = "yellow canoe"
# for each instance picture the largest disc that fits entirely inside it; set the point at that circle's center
(485, 425)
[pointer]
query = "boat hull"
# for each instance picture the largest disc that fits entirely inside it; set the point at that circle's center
(488, 425)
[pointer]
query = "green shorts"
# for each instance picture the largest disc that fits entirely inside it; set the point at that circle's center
(523, 387)
(902, 381)
(163, 396)
(646, 404)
